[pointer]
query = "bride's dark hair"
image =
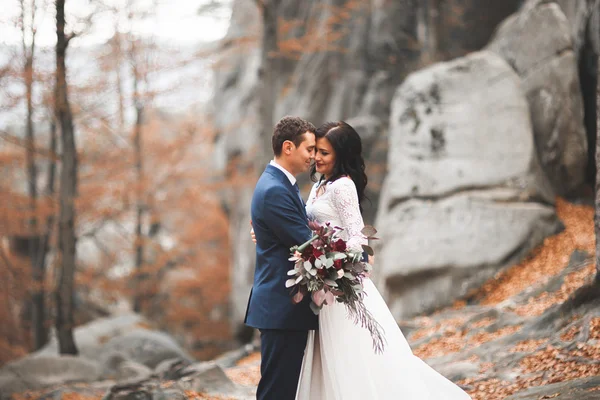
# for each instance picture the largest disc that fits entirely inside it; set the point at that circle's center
(348, 155)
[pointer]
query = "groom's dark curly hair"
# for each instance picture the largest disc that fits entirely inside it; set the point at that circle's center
(292, 129)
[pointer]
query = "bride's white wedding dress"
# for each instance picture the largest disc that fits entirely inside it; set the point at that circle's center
(339, 362)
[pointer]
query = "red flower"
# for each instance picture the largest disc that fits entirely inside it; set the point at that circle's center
(338, 264)
(308, 252)
(317, 253)
(339, 245)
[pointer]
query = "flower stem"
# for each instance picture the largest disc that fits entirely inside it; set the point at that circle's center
(305, 245)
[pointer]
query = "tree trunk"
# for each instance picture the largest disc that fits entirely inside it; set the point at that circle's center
(118, 51)
(39, 298)
(267, 77)
(37, 253)
(65, 288)
(597, 197)
(139, 76)
(139, 239)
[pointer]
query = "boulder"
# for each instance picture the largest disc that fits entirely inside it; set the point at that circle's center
(172, 369)
(465, 195)
(145, 389)
(149, 348)
(547, 65)
(91, 337)
(38, 372)
(584, 22)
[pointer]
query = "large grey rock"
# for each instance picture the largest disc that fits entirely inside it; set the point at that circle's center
(209, 381)
(117, 367)
(37, 372)
(130, 370)
(172, 369)
(436, 251)
(584, 23)
(91, 337)
(149, 348)
(145, 389)
(464, 195)
(461, 125)
(547, 64)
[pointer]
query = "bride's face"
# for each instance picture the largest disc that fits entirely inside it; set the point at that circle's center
(325, 157)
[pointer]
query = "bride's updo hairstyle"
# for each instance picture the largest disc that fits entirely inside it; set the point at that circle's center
(348, 155)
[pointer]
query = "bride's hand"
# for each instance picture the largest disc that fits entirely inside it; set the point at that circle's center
(252, 233)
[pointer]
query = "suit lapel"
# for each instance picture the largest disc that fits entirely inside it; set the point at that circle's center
(281, 177)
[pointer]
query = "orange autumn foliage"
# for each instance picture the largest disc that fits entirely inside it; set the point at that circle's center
(182, 197)
(548, 259)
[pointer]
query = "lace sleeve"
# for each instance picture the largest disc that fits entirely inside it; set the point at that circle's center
(345, 202)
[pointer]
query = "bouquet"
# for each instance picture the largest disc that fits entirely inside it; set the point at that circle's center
(327, 270)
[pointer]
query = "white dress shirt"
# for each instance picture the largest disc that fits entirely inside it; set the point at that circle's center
(285, 171)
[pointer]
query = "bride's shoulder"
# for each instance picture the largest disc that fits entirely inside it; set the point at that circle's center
(343, 186)
(343, 181)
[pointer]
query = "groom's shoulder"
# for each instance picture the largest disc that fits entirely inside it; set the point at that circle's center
(269, 183)
(267, 179)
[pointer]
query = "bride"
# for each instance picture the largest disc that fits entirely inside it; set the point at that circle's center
(339, 361)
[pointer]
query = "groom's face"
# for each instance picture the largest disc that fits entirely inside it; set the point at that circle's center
(302, 156)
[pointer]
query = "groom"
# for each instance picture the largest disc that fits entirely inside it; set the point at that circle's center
(279, 221)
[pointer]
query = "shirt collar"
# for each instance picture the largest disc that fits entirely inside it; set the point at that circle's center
(285, 171)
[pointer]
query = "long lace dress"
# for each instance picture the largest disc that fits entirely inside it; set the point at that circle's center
(339, 362)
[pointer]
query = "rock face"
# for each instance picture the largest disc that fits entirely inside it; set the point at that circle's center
(123, 363)
(584, 22)
(118, 343)
(32, 373)
(354, 77)
(458, 126)
(92, 337)
(148, 348)
(547, 65)
(464, 194)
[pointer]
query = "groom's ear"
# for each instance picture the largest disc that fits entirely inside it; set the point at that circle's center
(288, 146)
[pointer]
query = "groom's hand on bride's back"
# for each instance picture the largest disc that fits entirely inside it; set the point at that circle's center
(252, 233)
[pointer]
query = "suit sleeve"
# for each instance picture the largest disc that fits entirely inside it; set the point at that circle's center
(284, 218)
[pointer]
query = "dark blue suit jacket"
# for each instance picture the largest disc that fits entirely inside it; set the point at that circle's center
(279, 221)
